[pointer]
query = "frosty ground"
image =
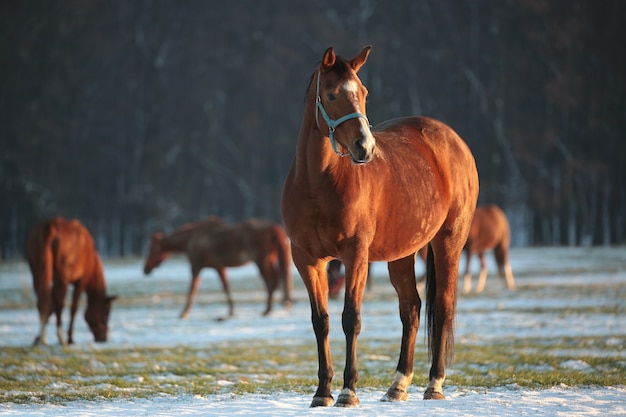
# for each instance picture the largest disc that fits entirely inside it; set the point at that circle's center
(576, 295)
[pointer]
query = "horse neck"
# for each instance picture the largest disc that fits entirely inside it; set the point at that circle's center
(314, 153)
(177, 240)
(96, 287)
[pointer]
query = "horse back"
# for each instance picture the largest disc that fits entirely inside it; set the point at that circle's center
(232, 245)
(433, 172)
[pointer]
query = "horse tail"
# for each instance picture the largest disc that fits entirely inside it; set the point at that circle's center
(431, 297)
(284, 261)
(499, 252)
(41, 256)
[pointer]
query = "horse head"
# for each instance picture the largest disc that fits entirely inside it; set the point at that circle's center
(155, 255)
(97, 316)
(340, 100)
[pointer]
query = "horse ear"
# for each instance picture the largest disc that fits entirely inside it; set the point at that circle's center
(358, 61)
(329, 59)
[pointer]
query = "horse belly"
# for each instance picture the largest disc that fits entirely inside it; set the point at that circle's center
(408, 224)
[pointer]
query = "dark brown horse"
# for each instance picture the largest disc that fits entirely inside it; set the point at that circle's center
(212, 243)
(489, 231)
(60, 253)
(363, 195)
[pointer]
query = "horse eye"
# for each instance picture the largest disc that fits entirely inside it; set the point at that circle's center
(331, 97)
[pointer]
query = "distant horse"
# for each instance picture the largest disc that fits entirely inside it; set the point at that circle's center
(490, 230)
(408, 182)
(212, 243)
(61, 252)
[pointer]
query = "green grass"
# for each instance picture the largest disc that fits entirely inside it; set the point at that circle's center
(56, 375)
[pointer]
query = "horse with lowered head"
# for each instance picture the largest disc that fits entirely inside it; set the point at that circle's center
(60, 253)
(359, 194)
(212, 243)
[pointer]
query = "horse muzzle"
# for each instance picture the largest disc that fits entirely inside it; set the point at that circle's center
(362, 150)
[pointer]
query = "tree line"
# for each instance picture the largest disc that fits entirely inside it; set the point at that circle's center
(139, 116)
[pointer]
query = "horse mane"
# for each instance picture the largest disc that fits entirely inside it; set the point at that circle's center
(192, 226)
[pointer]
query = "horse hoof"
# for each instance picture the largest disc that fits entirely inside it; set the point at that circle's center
(322, 401)
(431, 394)
(39, 342)
(347, 398)
(395, 394)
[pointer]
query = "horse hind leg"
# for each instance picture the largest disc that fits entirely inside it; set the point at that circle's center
(270, 277)
(44, 307)
(441, 284)
(467, 277)
(508, 275)
(482, 278)
(58, 297)
(73, 309)
(501, 254)
(402, 275)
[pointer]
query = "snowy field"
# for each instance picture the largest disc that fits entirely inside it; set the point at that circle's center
(563, 294)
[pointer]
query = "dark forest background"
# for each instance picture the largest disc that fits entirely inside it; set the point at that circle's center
(137, 116)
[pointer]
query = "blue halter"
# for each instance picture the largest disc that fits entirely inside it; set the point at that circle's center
(332, 124)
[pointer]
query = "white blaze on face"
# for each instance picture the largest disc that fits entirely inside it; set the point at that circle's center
(352, 88)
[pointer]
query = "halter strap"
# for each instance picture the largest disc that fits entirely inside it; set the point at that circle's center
(332, 124)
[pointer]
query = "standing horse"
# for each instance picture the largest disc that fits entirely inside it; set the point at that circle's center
(408, 182)
(490, 230)
(61, 252)
(214, 244)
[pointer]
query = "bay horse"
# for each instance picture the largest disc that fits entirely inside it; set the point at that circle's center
(212, 243)
(60, 253)
(489, 231)
(359, 194)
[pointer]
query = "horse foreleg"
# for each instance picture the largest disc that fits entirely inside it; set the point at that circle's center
(73, 309)
(356, 277)
(193, 290)
(402, 275)
(58, 298)
(314, 278)
(482, 278)
(226, 286)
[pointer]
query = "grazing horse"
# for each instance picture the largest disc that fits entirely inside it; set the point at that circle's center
(490, 230)
(61, 252)
(363, 195)
(212, 243)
